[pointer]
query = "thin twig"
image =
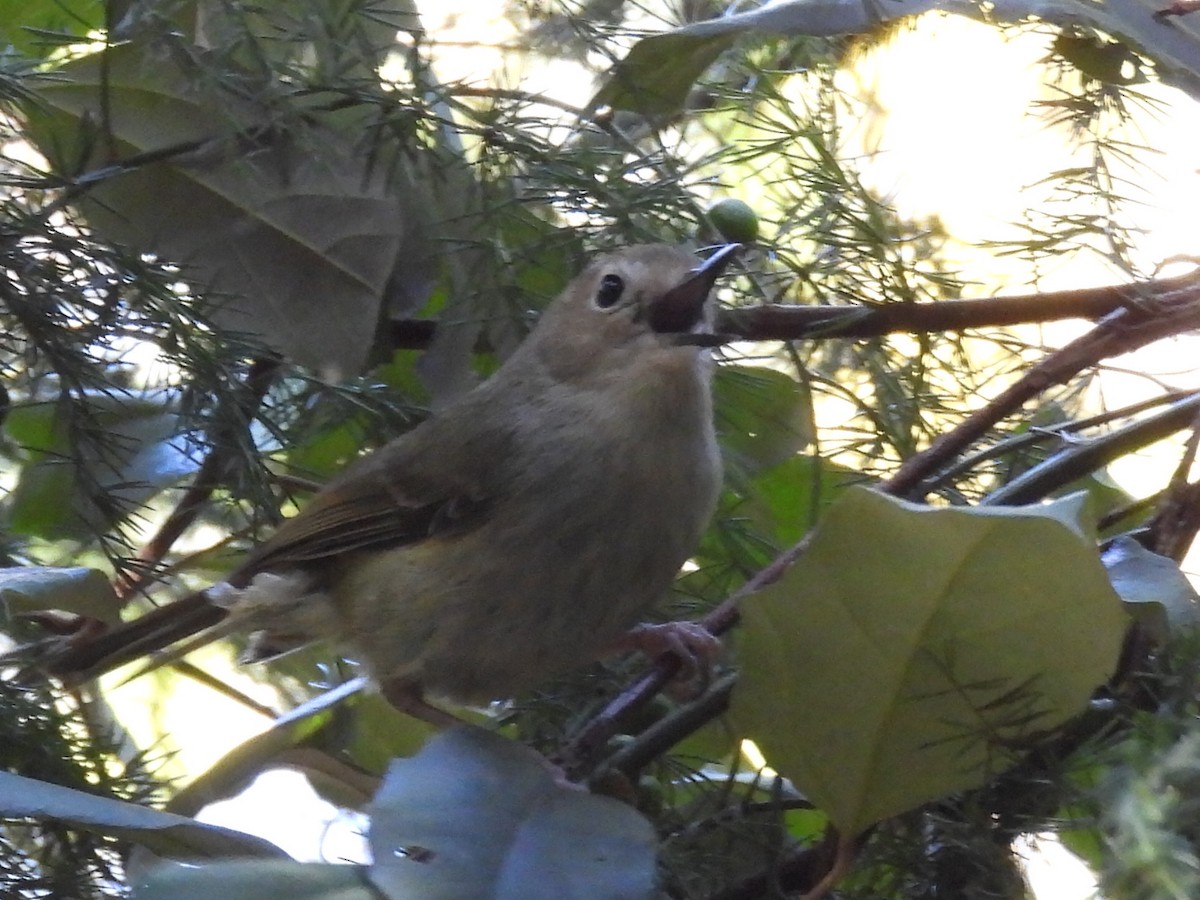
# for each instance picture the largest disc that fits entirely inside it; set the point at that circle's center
(674, 727)
(208, 478)
(1084, 457)
(1177, 520)
(1119, 332)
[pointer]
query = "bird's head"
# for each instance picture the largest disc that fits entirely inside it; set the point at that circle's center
(649, 301)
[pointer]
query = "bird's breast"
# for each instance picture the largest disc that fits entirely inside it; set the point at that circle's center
(602, 506)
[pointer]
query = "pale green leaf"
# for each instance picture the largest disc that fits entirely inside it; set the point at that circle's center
(163, 833)
(911, 650)
(75, 589)
(254, 880)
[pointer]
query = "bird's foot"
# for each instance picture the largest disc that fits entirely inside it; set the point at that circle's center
(408, 698)
(695, 646)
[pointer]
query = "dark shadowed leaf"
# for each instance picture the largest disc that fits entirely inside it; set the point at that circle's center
(291, 216)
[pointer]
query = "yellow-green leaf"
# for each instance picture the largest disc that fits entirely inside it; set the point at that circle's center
(911, 650)
(658, 73)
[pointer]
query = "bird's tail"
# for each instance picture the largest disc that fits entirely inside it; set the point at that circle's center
(83, 654)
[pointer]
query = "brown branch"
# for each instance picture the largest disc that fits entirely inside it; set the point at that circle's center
(777, 322)
(674, 727)
(1119, 332)
(1177, 521)
(208, 479)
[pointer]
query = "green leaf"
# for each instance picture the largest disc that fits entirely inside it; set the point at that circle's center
(1154, 589)
(255, 880)
(35, 27)
(475, 815)
(75, 589)
(657, 75)
(786, 500)
(286, 211)
(912, 651)
(163, 833)
(763, 416)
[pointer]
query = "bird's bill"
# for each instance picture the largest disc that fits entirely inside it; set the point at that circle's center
(679, 309)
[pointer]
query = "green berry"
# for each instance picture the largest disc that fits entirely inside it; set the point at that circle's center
(735, 220)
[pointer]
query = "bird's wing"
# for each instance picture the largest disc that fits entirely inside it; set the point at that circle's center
(368, 512)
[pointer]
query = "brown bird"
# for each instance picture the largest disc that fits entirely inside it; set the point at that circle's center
(521, 532)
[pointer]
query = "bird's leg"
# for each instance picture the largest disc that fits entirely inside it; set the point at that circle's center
(408, 698)
(696, 647)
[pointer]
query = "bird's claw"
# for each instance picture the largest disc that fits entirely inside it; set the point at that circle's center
(697, 649)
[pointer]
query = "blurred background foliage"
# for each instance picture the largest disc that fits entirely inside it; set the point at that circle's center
(241, 243)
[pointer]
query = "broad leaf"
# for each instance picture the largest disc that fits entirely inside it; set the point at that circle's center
(345, 725)
(763, 416)
(1155, 590)
(255, 880)
(74, 589)
(657, 74)
(475, 815)
(135, 451)
(289, 214)
(36, 27)
(914, 651)
(788, 499)
(163, 833)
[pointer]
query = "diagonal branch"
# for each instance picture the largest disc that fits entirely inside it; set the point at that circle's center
(208, 478)
(1137, 316)
(1119, 332)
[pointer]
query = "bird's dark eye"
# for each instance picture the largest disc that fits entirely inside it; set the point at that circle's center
(610, 290)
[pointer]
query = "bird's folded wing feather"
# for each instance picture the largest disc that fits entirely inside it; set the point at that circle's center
(363, 514)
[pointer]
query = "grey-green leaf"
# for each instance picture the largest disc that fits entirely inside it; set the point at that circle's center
(290, 213)
(1154, 589)
(74, 589)
(475, 815)
(255, 880)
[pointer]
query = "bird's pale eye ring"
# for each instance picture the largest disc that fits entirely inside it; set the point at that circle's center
(610, 291)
